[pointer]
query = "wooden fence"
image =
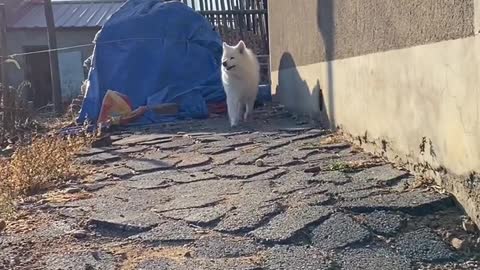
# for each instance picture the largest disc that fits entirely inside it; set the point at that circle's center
(237, 20)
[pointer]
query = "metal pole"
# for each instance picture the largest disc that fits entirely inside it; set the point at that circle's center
(52, 46)
(3, 53)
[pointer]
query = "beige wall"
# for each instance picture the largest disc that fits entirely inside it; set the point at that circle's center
(417, 101)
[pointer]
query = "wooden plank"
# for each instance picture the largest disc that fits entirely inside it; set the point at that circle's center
(52, 46)
(3, 71)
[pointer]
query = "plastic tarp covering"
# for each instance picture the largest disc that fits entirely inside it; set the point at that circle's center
(156, 52)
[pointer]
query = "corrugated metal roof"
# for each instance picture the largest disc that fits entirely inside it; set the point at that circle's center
(67, 14)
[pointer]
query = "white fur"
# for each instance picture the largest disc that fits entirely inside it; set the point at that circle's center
(240, 76)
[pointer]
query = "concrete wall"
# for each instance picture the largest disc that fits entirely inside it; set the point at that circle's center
(19, 39)
(400, 76)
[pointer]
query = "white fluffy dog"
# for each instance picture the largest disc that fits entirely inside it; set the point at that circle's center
(240, 76)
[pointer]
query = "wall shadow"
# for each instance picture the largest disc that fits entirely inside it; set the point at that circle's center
(326, 27)
(294, 91)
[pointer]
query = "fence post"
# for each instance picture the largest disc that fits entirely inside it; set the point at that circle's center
(54, 69)
(3, 68)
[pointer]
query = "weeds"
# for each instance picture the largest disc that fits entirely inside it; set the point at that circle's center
(355, 166)
(44, 163)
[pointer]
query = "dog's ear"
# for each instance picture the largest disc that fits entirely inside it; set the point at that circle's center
(241, 46)
(225, 45)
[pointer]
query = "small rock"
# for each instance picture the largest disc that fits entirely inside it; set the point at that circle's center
(458, 244)
(79, 234)
(3, 225)
(259, 162)
(73, 190)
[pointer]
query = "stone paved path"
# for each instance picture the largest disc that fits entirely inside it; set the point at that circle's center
(272, 195)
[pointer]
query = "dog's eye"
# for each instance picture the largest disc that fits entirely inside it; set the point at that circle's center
(232, 58)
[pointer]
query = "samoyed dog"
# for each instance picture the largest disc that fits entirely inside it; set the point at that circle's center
(240, 76)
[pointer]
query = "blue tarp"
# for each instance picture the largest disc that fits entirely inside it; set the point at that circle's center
(156, 52)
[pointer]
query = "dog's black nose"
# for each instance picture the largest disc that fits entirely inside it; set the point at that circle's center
(224, 64)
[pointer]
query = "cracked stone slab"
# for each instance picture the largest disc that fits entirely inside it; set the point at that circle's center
(248, 157)
(248, 263)
(156, 142)
(270, 175)
(277, 144)
(307, 198)
(239, 171)
(348, 194)
(295, 152)
(198, 264)
(102, 158)
(215, 188)
(169, 231)
(176, 144)
(149, 183)
(223, 246)
(187, 202)
(282, 160)
(225, 158)
(386, 174)
(144, 166)
(175, 176)
(335, 177)
(136, 139)
(47, 231)
(414, 202)
(339, 231)
(423, 245)
(153, 177)
(296, 258)
(80, 260)
(309, 135)
(152, 155)
(130, 150)
(189, 177)
(231, 143)
(120, 172)
(291, 182)
(335, 146)
(200, 216)
(296, 129)
(158, 264)
(382, 222)
(358, 185)
(95, 186)
(247, 218)
(373, 259)
(215, 150)
(124, 224)
(188, 160)
(285, 226)
(209, 138)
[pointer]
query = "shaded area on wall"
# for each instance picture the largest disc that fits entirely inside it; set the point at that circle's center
(293, 90)
(326, 27)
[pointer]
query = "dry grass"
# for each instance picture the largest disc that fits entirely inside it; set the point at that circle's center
(39, 166)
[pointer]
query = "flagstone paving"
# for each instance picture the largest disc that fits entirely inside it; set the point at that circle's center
(273, 194)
